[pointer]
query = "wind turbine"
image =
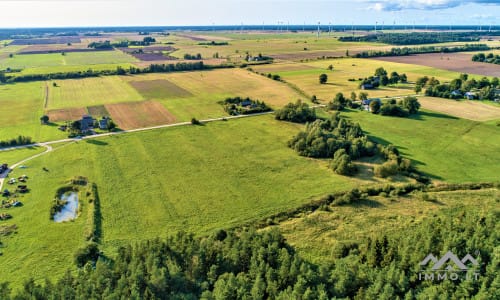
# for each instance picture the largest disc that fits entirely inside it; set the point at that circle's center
(318, 29)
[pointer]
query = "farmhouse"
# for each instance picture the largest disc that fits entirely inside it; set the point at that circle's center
(87, 123)
(497, 95)
(456, 93)
(103, 123)
(367, 86)
(470, 95)
(366, 103)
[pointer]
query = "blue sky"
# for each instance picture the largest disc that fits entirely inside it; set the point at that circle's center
(58, 13)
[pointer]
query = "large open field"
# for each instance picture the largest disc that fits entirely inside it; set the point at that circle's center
(230, 173)
(72, 58)
(90, 91)
(184, 95)
(132, 115)
(346, 73)
(439, 144)
(195, 94)
(320, 236)
(21, 106)
(195, 178)
(457, 62)
(472, 110)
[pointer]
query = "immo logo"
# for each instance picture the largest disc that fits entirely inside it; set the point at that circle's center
(448, 267)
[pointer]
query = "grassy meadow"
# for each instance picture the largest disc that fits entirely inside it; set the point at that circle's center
(195, 94)
(195, 178)
(319, 236)
(226, 173)
(21, 106)
(446, 147)
(24, 61)
(90, 91)
(305, 75)
(13, 156)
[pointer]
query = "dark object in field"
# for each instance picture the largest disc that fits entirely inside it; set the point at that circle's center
(45, 169)
(5, 217)
(22, 189)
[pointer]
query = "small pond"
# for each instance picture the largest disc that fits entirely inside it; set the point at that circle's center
(69, 211)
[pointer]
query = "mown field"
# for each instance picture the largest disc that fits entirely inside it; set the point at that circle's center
(445, 147)
(320, 236)
(467, 109)
(13, 156)
(90, 91)
(195, 94)
(21, 106)
(71, 58)
(184, 95)
(305, 75)
(195, 178)
(226, 173)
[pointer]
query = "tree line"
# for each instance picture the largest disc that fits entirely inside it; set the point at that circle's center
(416, 38)
(405, 51)
(246, 264)
(487, 58)
(146, 41)
(153, 68)
(19, 141)
(482, 89)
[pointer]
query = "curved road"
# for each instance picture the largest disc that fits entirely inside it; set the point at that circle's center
(6, 172)
(49, 143)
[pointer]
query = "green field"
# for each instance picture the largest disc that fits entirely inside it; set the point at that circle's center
(445, 147)
(72, 68)
(26, 61)
(21, 106)
(90, 91)
(319, 236)
(226, 174)
(184, 94)
(13, 156)
(195, 178)
(195, 94)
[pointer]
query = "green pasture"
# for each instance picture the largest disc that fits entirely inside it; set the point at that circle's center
(445, 147)
(194, 178)
(320, 236)
(26, 61)
(21, 106)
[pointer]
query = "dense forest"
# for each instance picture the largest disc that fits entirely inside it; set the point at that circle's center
(417, 38)
(246, 264)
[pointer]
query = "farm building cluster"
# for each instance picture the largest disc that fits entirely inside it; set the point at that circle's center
(87, 125)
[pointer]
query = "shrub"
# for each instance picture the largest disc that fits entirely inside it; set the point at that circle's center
(89, 253)
(297, 112)
(389, 168)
